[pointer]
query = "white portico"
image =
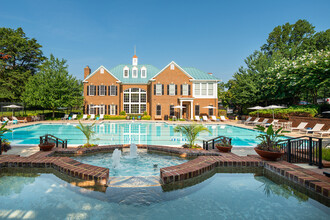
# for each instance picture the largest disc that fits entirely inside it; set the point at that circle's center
(188, 110)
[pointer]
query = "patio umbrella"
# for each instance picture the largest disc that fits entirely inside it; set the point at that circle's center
(179, 107)
(326, 112)
(256, 108)
(12, 107)
(274, 107)
(209, 107)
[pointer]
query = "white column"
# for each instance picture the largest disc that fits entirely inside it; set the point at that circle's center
(180, 110)
(191, 110)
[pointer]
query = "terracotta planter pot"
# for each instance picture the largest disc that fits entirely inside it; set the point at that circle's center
(268, 154)
(224, 148)
(46, 146)
(326, 164)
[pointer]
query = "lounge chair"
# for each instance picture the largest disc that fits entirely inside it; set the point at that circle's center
(223, 118)
(139, 117)
(74, 117)
(213, 118)
(262, 122)
(84, 117)
(274, 123)
(301, 126)
(101, 117)
(323, 132)
(197, 118)
(9, 121)
(66, 117)
(252, 122)
(205, 118)
(316, 128)
(35, 118)
(248, 120)
(20, 121)
(92, 117)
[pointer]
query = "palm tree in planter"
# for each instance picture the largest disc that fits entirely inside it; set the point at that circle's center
(5, 144)
(191, 132)
(224, 145)
(88, 131)
(268, 147)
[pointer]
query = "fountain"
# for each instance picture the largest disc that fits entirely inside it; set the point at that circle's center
(133, 151)
(116, 158)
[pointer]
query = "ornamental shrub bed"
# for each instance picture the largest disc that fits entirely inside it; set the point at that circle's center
(302, 111)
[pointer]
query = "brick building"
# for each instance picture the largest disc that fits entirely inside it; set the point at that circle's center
(136, 88)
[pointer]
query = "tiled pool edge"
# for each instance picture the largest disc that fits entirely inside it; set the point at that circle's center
(205, 162)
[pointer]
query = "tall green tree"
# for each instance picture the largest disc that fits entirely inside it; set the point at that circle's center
(53, 87)
(23, 57)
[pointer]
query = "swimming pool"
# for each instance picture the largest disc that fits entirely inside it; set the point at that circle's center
(130, 132)
(223, 196)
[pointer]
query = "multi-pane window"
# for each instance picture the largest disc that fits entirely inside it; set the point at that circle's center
(172, 66)
(171, 110)
(158, 110)
(126, 73)
(159, 88)
(196, 109)
(143, 73)
(197, 89)
(92, 90)
(102, 109)
(210, 89)
(171, 89)
(91, 109)
(211, 111)
(135, 101)
(204, 88)
(112, 109)
(134, 74)
(185, 89)
(102, 90)
(113, 90)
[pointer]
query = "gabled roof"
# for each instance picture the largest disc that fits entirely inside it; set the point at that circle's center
(176, 66)
(90, 75)
(198, 74)
(118, 72)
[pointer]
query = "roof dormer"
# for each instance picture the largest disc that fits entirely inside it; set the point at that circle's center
(126, 72)
(134, 72)
(143, 72)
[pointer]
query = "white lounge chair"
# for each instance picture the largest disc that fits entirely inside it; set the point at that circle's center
(223, 118)
(301, 126)
(323, 132)
(74, 117)
(101, 117)
(66, 117)
(316, 128)
(92, 117)
(197, 118)
(213, 118)
(84, 117)
(6, 119)
(248, 120)
(262, 122)
(252, 122)
(205, 118)
(20, 121)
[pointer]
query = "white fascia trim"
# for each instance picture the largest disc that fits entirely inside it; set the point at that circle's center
(205, 80)
(153, 78)
(90, 75)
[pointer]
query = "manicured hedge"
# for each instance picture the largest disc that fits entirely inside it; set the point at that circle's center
(114, 117)
(302, 111)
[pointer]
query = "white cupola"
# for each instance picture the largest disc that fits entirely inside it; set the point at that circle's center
(135, 60)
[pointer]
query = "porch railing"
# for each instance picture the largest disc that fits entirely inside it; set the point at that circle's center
(48, 138)
(210, 144)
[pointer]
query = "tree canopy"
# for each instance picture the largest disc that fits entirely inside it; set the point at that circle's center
(21, 57)
(293, 64)
(53, 87)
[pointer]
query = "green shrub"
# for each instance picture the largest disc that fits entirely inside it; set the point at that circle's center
(302, 111)
(145, 113)
(114, 117)
(122, 113)
(146, 117)
(222, 112)
(326, 154)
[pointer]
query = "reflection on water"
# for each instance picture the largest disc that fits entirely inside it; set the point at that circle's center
(126, 133)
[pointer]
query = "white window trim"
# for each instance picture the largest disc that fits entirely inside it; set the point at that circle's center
(171, 91)
(112, 108)
(126, 68)
(214, 95)
(161, 89)
(111, 90)
(172, 66)
(130, 103)
(185, 89)
(102, 70)
(91, 90)
(101, 90)
(136, 71)
(145, 69)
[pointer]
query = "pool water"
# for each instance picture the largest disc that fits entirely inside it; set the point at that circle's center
(145, 164)
(130, 132)
(223, 196)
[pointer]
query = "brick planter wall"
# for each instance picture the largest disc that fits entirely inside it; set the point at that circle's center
(311, 121)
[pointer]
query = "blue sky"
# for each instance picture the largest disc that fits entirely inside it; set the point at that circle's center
(214, 36)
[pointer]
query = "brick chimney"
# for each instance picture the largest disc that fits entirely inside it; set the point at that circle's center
(210, 73)
(87, 71)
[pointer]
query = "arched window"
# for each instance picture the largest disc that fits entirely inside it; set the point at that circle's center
(126, 72)
(135, 101)
(134, 72)
(143, 72)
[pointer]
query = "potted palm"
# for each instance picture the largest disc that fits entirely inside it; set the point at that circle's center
(5, 144)
(268, 147)
(191, 132)
(46, 146)
(224, 145)
(88, 131)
